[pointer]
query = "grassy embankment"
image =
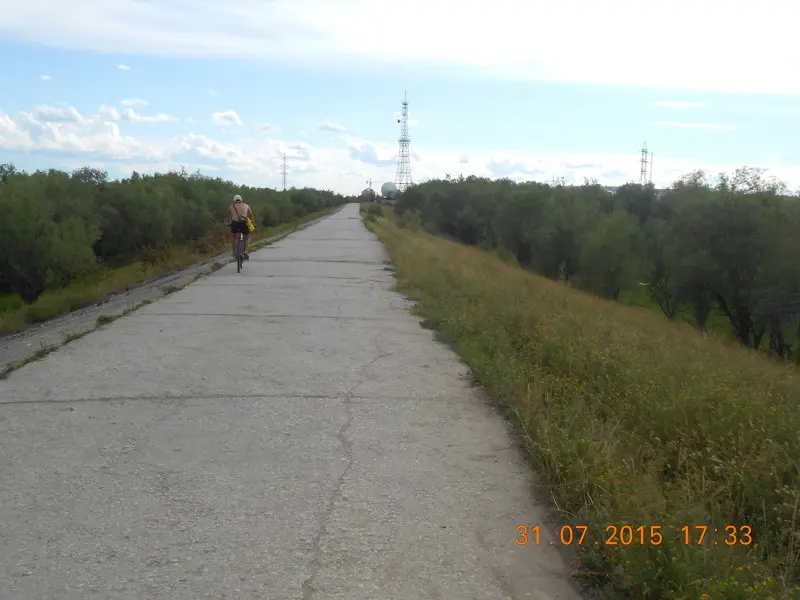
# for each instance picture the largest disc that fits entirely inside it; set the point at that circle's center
(104, 281)
(631, 419)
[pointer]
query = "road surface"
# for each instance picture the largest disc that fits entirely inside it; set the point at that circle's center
(287, 433)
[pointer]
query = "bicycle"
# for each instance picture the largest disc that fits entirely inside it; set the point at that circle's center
(239, 227)
(239, 252)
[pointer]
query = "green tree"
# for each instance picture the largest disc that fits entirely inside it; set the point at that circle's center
(35, 250)
(660, 259)
(567, 221)
(518, 221)
(607, 260)
(728, 245)
(56, 225)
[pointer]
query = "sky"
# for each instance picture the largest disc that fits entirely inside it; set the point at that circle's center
(525, 89)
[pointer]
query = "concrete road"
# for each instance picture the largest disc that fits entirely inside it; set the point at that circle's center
(287, 433)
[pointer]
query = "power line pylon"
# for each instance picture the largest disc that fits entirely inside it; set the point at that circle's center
(402, 178)
(643, 167)
(284, 170)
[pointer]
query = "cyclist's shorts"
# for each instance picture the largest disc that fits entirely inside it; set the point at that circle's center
(239, 227)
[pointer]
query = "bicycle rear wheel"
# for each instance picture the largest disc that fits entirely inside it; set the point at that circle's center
(239, 253)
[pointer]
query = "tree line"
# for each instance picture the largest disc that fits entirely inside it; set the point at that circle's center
(58, 226)
(727, 245)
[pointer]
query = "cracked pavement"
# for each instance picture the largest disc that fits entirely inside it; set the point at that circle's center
(287, 433)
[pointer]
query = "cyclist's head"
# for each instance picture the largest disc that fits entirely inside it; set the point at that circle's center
(237, 198)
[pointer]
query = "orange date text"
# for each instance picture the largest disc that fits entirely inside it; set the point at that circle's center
(631, 535)
(576, 535)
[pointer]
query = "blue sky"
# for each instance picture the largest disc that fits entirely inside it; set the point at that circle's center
(496, 90)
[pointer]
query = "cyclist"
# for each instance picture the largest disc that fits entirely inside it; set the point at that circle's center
(239, 212)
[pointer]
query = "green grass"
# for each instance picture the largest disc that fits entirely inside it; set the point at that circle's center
(16, 316)
(638, 296)
(71, 337)
(105, 319)
(46, 349)
(43, 351)
(10, 302)
(630, 419)
(169, 289)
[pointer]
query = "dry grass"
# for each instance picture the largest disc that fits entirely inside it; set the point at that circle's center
(630, 418)
(156, 263)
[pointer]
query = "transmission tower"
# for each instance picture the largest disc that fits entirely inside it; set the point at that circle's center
(283, 171)
(369, 183)
(403, 177)
(643, 168)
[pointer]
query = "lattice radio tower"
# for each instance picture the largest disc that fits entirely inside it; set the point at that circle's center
(643, 168)
(403, 177)
(284, 169)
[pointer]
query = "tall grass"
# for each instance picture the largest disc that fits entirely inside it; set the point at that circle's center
(102, 282)
(631, 419)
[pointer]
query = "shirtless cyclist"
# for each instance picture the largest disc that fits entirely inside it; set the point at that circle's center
(237, 212)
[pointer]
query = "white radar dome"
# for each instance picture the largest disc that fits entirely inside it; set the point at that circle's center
(388, 190)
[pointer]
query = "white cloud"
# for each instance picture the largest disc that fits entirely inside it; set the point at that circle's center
(317, 31)
(343, 165)
(679, 105)
(227, 117)
(67, 132)
(364, 151)
(134, 102)
(110, 112)
(45, 77)
(123, 67)
(13, 134)
(55, 115)
(266, 128)
(130, 116)
(328, 126)
(695, 125)
(213, 92)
